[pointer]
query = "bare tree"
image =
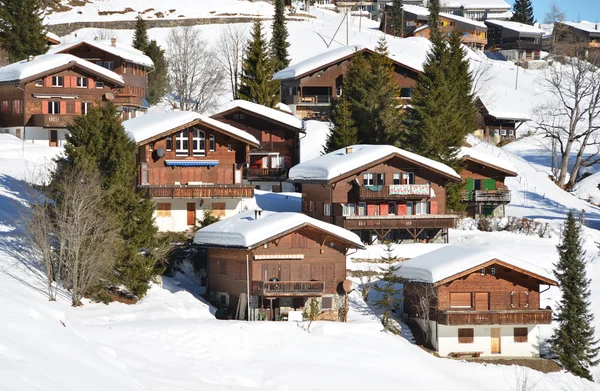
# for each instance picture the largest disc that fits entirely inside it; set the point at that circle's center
(195, 75)
(522, 380)
(105, 34)
(230, 52)
(572, 118)
(482, 75)
(3, 58)
(424, 299)
(554, 14)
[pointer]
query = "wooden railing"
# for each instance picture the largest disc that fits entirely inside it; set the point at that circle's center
(265, 173)
(487, 195)
(399, 192)
(394, 222)
(51, 120)
(267, 288)
(457, 318)
(201, 191)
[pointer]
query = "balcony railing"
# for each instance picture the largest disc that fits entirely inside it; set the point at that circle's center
(492, 196)
(52, 120)
(277, 288)
(393, 192)
(266, 174)
(398, 222)
(200, 191)
(458, 318)
(128, 100)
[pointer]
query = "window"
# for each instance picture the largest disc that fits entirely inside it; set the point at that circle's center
(362, 208)
(380, 179)
(229, 148)
(85, 107)
(53, 107)
(493, 271)
(99, 84)
(134, 69)
(503, 132)
(57, 81)
(511, 132)
(465, 336)
(326, 209)
(110, 65)
(460, 300)
(311, 206)
(520, 334)
(483, 271)
(39, 83)
(299, 241)
(17, 107)
(222, 267)
(181, 143)
(82, 82)
(169, 143)
(327, 303)
(421, 208)
(4, 107)
(212, 143)
(397, 180)
(124, 68)
(408, 178)
(144, 174)
(368, 179)
(199, 142)
(163, 209)
(406, 93)
(349, 209)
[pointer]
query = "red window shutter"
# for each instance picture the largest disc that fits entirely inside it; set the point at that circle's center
(91, 83)
(44, 107)
(73, 81)
(384, 209)
(401, 210)
(433, 207)
(48, 81)
(77, 107)
(67, 82)
(63, 107)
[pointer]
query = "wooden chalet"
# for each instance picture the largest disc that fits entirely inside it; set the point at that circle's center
(584, 35)
(378, 191)
(279, 261)
(496, 124)
(516, 41)
(132, 64)
(39, 97)
(310, 86)
(190, 164)
(480, 302)
(485, 192)
(279, 135)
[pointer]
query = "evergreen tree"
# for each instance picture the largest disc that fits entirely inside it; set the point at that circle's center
(140, 36)
(342, 131)
(357, 90)
(279, 38)
(98, 141)
(388, 289)
(397, 19)
(22, 32)
(523, 12)
(158, 81)
(256, 83)
(573, 340)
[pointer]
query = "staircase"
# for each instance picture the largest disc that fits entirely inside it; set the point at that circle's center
(406, 333)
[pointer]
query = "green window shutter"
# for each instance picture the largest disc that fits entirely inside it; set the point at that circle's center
(470, 183)
(489, 184)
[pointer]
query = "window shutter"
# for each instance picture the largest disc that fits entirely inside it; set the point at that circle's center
(465, 335)
(470, 184)
(63, 107)
(433, 207)
(45, 104)
(77, 107)
(489, 184)
(67, 82)
(520, 334)
(326, 303)
(48, 81)
(401, 210)
(460, 300)
(91, 83)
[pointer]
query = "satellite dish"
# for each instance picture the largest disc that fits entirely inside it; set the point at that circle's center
(347, 285)
(160, 152)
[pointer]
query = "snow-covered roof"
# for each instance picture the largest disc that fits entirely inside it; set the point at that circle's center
(154, 123)
(38, 65)
(316, 62)
(125, 52)
(487, 158)
(283, 107)
(264, 111)
(424, 13)
(515, 26)
(244, 230)
(453, 260)
(52, 36)
(334, 164)
(476, 4)
(584, 25)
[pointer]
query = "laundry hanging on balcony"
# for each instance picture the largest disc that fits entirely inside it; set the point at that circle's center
(409, 190)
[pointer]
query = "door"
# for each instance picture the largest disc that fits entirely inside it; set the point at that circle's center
(495, 338)
(53, 138)
(285, 271)
(478, 184)
(482, 301)
(191, 213)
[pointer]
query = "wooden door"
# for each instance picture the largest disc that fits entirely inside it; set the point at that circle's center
(53, 138)
(284, 268)
(495, 339)
(269, 271)
(482, 301)
(191, 213)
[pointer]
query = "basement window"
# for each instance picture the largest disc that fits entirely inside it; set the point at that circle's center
(466, 336)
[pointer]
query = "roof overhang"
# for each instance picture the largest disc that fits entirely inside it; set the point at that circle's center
(493, 166)
(254, 113)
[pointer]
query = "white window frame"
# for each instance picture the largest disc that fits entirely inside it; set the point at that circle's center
(198, 142)
(503, 132)
(56, 79)
(397, 178)
(212, 143)
(229, 149)
(39, 83)
(421, 208)
(326, 209)
(349, 209)
(99, 84)
(53, 107)
(368, 179)
(362, 206)
(181, 141)
(409, 177)
(82, 82)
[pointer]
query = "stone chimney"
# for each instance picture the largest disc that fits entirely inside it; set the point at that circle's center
(348, 150)
(113, 42)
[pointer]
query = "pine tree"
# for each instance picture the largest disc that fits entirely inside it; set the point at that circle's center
(388, 289)
(22, 32)
(342, 131)
(357, 90)
(158, 82)
(397, 19)
(256, 83)
(279, 38)
(140, 36)
(573, 340)
(523, 12)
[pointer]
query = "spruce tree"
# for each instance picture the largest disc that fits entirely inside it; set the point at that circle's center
(573, 340)
(397, 19)
(357, 90)
(256, 82)
(342, 131)
(389, 292)
(140, 36)
(22, 32)
(279, 38)
(158, 82)
(523, 12)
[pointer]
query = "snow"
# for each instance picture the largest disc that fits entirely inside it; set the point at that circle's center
(486, 157)
(515, 26)
(283, 107)
(327, 57)
(156, 122)
(126, 52)
(476, 4)
(21, 70)
(246, 231)
(588, 189)
(334, 164)
(424, 13)
(265, 111)
(451, 260)
(584, 25)
(52, 36)
(313, 143)
(278, 202)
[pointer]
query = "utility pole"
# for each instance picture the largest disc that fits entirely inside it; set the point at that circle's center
(359, 17)
(517, 64)
(347, 23)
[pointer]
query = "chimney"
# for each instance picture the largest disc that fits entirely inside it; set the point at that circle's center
(113, 42)
(30, 58)
(257, 214)
(348, 150)
(596, 27)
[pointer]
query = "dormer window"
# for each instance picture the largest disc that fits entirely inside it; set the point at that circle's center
(199, 143)
(58, 81)
(181, 143)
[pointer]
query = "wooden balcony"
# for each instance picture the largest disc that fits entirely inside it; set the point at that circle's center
(127, 100)
(265, 174)
(487, 196)
(51, 120)
(200, 191)
(474, 39)
(290, 288)
(309, 100)
(459, 318)
(399, 222)
(594, 44)
(395, 192)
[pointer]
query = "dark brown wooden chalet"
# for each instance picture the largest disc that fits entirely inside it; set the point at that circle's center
(480, 301)
(380, 190)
(189, 164)
(130, 63)
(516, 41)
(40, 97)
(309, 86)
(279, 260)
(573, 37)
(279, 135)
(497, 126)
